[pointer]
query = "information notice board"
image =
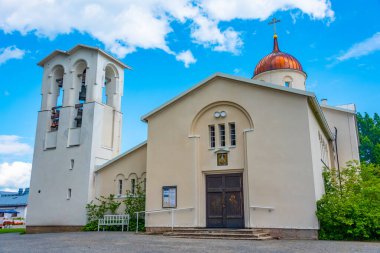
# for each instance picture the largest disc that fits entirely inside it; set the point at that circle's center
(169, 196)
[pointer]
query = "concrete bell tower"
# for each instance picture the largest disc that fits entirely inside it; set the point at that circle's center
(78, 128)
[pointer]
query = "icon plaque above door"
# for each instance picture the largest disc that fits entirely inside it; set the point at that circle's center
(222, 159)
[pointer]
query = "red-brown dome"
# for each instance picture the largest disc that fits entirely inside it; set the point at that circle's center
(277, 60)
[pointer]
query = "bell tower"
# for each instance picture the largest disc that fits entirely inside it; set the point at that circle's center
(78, 129)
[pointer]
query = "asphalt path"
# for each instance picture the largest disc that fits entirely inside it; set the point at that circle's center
(110, 242)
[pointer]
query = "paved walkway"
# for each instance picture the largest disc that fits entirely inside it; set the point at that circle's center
(95, 242)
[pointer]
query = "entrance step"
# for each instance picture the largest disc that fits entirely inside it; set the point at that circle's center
(232, 234)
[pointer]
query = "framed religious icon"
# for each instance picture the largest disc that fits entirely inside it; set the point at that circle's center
(222, 159)
(169, 196)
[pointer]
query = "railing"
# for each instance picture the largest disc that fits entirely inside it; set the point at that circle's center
(171, 211)
(269, 208)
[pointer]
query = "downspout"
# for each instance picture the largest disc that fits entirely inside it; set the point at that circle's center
(337, 157)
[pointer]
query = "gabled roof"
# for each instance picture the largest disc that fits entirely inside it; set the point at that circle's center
(9, 199)
(76, 48)
(121, 156)
(311, 96)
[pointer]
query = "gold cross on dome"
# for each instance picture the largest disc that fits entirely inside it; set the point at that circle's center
(273, 22)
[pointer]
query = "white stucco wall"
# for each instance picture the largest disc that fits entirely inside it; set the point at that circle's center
(279, 76)
(277, 168)
(347, 139)
(128, 166)
(317, 139)
(52, 174)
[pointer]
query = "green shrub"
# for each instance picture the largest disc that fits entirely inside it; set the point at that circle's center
(350, 209)
(132, 224)
(108, 205)
(135, 203)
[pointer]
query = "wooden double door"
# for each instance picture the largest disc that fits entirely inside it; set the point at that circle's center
(224, 201)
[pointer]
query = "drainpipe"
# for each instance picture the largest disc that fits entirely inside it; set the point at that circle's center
(337, 157)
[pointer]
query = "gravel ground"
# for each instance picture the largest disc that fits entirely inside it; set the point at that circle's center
(129, 242)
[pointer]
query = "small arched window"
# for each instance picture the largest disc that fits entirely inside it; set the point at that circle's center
(288, 81)
(120, 187)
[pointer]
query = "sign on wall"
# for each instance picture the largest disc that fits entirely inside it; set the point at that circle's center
(169, 196)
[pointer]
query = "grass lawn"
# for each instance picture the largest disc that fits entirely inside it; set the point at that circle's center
(12, 230)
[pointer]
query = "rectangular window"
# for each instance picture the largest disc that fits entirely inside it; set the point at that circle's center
(133, 186)
(71, 164)
(120, 186)
(222, 134)
(232, 134)
(287, 84)
(69, 193)
(211, 129)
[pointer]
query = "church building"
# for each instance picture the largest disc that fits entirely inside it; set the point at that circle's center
(230, 152)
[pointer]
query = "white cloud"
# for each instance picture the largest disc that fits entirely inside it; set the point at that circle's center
(227, 10)
(207, 33)
(11, 52)
(123, 26)
(363, 48)
(186, 57)
(295, 16)
(11, 145)
(14, 175)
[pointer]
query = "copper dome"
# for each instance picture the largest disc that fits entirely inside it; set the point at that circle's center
(277, 60)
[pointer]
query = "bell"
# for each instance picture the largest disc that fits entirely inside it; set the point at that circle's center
(82, 93)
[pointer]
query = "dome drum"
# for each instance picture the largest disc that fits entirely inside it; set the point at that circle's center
(277, 60)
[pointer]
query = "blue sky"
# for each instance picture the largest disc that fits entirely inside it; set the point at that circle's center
(172, 45)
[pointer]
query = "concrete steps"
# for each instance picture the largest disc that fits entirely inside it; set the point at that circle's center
(232, 234)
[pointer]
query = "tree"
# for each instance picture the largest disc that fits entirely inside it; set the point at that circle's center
(369, 136)
(351, 211)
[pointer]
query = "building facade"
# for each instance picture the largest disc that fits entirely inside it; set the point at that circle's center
(13, 205)
(233, 152)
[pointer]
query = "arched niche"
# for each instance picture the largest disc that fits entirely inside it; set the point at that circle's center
(132, 182)
(221, 105)
(287, 81)
(120, 187)
(110, 86)
(56, 85)
(80, 75)
(221, 136)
